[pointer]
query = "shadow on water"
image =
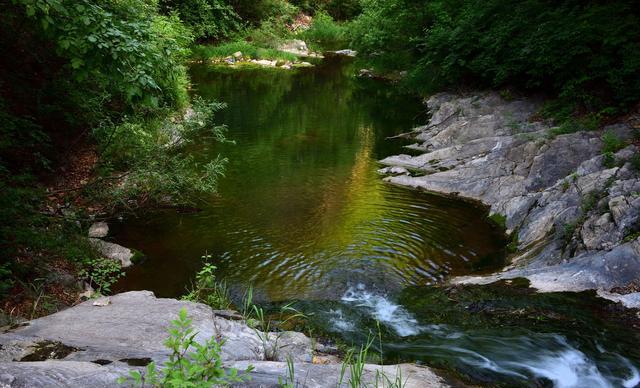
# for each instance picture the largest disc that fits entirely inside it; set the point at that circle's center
(303, 215)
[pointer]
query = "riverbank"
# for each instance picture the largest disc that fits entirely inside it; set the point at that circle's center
(98, 341)
(569, 201)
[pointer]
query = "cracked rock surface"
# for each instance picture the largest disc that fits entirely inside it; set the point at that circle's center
(92, 344)
(574, 214)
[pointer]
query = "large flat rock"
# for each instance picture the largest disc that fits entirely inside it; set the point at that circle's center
(576, 215)
(94, 343)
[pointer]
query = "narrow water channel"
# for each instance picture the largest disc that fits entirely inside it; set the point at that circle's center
(303, 215)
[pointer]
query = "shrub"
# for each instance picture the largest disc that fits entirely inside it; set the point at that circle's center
(207, 289)
(587, 54)
(101, 273)
(324, 30)
(152, 154)
(190, 364)
(208, 19)
(611, 143)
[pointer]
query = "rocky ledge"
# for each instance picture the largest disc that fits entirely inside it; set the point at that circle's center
(94, 343)
(572, 210)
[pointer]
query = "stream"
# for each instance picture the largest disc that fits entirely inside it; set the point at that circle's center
(302, 215)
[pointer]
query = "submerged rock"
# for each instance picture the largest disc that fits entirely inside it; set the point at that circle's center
(572, 217)
(98, 344)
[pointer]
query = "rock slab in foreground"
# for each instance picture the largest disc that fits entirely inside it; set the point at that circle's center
(575, 212)
(92, 345)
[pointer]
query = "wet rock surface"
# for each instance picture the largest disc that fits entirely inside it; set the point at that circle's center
(90, 345)
(573, 214)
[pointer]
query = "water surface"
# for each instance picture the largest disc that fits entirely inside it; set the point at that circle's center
(303, 215)
(302, 211)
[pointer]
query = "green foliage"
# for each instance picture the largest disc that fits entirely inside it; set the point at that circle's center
(153, 154)
(248, 50)
(588, 54)
(609, 160)
(191, 364)
(256, 11)
(6, 278)
(102, 273)
(499, 219)
(324, 30)
(611, 143)
(588, 122)
(117, 50)
(208, 19)
(207, 289)
(289, 381)
(355, 362)
(338, 9)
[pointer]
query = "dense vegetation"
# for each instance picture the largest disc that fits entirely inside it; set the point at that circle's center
(99, 87)
(104, 85)
(585, 53)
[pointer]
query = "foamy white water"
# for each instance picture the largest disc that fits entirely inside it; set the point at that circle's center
(383, 310)
(544, 356)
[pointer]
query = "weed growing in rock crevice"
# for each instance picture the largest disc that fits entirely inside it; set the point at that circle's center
(190, 364)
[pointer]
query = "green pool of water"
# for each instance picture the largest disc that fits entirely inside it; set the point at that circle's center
(302, 211)
(303, 215)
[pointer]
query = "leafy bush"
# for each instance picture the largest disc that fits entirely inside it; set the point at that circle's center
(152, 154)
(207, 289)
(338, 9)
(101, 273)
(588, 54)
(208, 19)
(611, 143)
(190, 364)
(324, 30)
(256, 11)
(117, 50)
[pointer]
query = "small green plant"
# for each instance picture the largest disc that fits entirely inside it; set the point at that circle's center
(635, 162)
(355, 362)
(611, 143)
(6, 278)
(499, 219)
(589, 122)
(207, 289)
(609, 160)
(190, 364)
(568, 231)
(101, 273)
(289, 381)
(261, 324)
(324, 30)
(590, 201)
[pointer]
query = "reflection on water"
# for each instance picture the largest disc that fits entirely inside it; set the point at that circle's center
(302, 214)
(302, 211)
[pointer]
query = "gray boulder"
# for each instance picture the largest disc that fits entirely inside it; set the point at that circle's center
(113, 251)
(99, 230)
(573, 214)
